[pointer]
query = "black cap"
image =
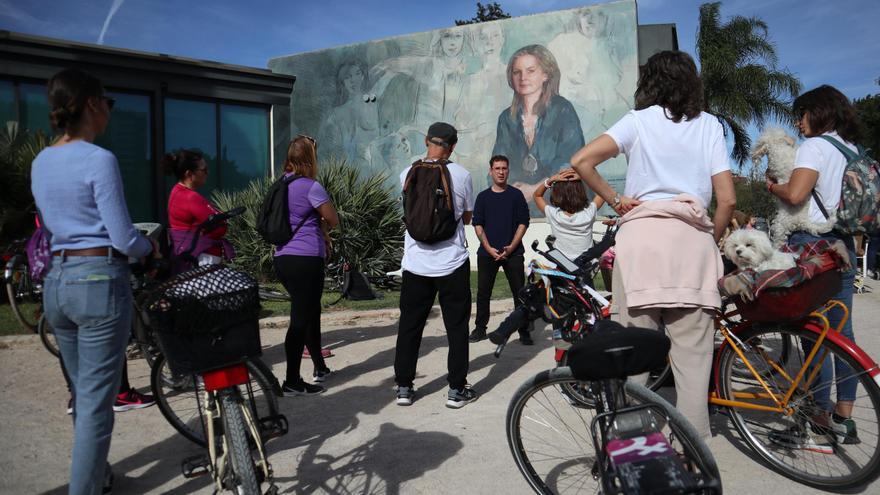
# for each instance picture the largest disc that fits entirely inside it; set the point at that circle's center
(442, 134)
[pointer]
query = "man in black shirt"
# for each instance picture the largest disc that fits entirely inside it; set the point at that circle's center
(501, 218)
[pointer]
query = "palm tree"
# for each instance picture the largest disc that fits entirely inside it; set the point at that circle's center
(741, 82)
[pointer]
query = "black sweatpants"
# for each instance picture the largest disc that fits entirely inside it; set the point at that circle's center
(303, 277)
(417, 295)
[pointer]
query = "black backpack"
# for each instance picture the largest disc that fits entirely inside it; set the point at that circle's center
(428, 202)
(273, 219)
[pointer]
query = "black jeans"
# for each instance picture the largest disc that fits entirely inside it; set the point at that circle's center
(303, 277)
(417, 295)
(487, 269)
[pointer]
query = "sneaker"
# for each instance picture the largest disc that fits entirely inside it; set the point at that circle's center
(458, 398)
(302, 388)
(796, 438)
(477, 335)
(325, 353)
(132, 400)
(405, 396)
(70, 405)
(320, 375)
(845, 430)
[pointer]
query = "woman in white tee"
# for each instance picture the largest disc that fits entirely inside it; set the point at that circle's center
(824, 113)
(667, 262)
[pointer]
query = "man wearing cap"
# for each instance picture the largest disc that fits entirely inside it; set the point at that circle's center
(501, 217)
(441, 267)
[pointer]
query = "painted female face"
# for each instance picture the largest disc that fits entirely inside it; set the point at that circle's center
(353, 79)
(491, 39)
(451, 42)
(527, 76)
(591, 24)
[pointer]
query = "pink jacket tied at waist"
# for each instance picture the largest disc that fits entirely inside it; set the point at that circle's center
(667, 256)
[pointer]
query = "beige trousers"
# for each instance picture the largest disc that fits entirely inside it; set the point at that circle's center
(691, 331)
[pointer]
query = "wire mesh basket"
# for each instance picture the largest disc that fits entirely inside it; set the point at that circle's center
(206, 318)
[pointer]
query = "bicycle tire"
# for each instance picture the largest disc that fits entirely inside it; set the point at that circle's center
(47, 337)
(24, 298)
(847, 466)
(180, 398)
(244, 477)
(539, 413)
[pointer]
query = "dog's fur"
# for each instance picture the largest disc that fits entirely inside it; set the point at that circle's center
(751, 248)
(780, 150)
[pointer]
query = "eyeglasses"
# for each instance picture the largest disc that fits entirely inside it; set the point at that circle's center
(203, 169)
(110, 101)
(310, 138)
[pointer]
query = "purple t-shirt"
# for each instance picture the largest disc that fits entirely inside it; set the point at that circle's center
(304, 196)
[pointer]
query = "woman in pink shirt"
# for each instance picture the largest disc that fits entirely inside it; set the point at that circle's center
(187, 209)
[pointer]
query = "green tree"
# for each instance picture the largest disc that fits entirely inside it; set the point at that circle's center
(489, 12)
(741, 81)
(17, 150)
(868, 109)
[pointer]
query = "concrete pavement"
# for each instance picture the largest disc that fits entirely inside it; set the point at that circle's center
(353, 438)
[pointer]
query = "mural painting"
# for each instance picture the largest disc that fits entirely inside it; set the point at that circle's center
(533, 88)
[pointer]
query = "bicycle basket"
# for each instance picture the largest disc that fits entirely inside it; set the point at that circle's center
(206, 318)
(791, 303)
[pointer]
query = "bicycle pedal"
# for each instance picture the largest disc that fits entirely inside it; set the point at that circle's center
(273, 426)
(195, 466)
(273, 490)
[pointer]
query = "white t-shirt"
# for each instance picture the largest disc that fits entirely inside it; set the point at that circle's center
(574, 233)
(818, 154)
(441, 258)
(667, 158)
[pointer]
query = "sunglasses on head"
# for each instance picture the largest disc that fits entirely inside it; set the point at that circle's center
(310, 138)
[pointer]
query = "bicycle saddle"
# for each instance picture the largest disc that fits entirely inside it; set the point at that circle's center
(614, 351)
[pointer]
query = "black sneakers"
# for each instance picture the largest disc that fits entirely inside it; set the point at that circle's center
(302, 388)
(477, 335)
(458, 398)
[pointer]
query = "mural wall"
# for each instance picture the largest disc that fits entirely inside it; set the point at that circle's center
(534, 88)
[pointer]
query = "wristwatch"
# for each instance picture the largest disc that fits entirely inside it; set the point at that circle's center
(615, 202)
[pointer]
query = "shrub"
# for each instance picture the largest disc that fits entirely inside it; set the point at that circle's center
(370, 234)
(17, 150)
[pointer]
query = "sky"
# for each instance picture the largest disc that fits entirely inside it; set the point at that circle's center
(833, 42)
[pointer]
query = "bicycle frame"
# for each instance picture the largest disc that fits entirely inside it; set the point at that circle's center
(217, 383)
(817, 324)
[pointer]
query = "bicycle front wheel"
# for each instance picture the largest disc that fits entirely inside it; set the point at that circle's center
(549, 435)
(795, 443)
(181, 398)
(25, 298)
(244, 478)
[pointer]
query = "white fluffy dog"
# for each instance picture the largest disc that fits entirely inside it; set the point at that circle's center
(751, 248)
(780, 150)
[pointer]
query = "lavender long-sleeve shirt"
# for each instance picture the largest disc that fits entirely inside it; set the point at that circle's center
(78, 189)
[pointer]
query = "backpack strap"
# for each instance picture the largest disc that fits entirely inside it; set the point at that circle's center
(849, 154)
(819, 204)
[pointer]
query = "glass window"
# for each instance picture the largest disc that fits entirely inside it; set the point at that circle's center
(193, 124)
(7, 102)
(129, 137)
(34, 109)
(244, 145)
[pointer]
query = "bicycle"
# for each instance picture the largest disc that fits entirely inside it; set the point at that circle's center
(24, 294)
(210, 384)
(638, 442)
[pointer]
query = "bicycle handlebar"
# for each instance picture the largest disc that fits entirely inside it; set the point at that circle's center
(208, 225)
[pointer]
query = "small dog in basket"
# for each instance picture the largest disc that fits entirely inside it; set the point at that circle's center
(780, 150)
(751, 248)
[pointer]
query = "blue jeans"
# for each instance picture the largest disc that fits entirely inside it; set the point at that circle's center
(88, 302)
(846, 388)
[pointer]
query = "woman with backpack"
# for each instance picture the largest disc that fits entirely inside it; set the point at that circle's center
(87, 295)
(300, 264)
(828, 120)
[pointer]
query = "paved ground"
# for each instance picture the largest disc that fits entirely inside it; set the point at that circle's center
(352, 439)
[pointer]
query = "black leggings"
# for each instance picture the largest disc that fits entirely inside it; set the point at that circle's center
(303, 277)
